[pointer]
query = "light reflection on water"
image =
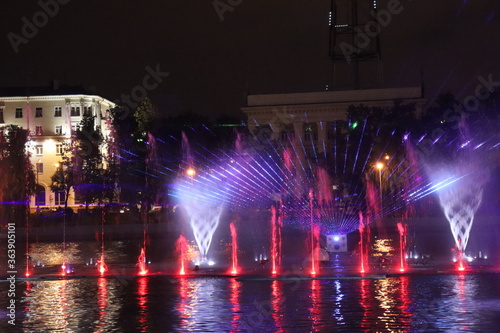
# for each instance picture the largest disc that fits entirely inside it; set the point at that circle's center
(425, 303)
(70, 305)
(50, 254)
(142, 299)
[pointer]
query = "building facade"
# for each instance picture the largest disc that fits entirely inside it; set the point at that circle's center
(308, 118)
(51, 119)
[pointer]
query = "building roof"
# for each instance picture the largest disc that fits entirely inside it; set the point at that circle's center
(51, 90)
(346, 96)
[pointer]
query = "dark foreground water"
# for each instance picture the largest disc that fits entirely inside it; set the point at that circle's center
(414, 303)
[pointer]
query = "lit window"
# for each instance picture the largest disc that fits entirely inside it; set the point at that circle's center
(39, 167)
(75, 111)
(19, 112)
(60, 197)
(57, 111)
(59, 149)
(59, 130)
(38, 112)
(39, 130)
(87, 110)
(284, 136)
(308, 133)
(39, 150)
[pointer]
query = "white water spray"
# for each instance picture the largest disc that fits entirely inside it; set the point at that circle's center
(460, 203)
(204, 221)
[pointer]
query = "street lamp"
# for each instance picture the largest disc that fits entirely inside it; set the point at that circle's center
(191, 172)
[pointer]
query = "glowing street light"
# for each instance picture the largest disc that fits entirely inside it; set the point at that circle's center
(380, 166)
(191, 172)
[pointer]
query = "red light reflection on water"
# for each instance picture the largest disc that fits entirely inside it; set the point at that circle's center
(315, 308)
(405, 301)
(366, 303)
(188, 300)
(463, 298)
(234, 298)
(142, 299)
(277, 305)
(102, 302)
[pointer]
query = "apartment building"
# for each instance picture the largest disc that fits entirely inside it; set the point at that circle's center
(51, 114)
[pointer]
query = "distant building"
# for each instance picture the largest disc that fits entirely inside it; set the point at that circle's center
(309, 118)
(51, 114)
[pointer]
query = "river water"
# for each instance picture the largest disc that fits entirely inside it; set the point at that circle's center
(408, 303)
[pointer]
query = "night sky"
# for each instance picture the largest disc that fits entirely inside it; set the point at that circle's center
(271, 46)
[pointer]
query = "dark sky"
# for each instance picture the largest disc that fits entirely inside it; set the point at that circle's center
(274, 46)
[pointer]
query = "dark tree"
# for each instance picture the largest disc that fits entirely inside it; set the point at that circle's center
(88, 157)
(63, 177)
(17, 178)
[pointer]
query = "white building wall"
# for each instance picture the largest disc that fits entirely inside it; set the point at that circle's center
(49, 139)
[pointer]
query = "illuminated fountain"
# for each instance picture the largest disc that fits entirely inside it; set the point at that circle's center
(363, 255)
(141, 263)
(460, 201)
(203, 221)
(234, 249)
(314, 238)
(402, 230)
(320, 195)
(182, 253)
(276, 242)
(102, 264)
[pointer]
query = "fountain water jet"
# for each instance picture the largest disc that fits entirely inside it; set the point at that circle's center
(459, 184)
(362, 255)
(460, 202)
(234, 248)
(402, 246)
(276, 224)
(204, 221)
(182, 249)
(141, 262)
(314, 237)
(102, 264)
